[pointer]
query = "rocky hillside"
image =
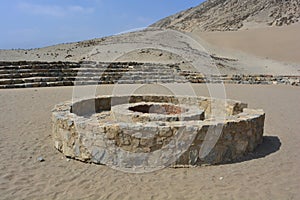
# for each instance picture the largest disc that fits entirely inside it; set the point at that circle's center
(227, 15)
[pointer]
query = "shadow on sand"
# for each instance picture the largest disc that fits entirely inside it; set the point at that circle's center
(271, 144)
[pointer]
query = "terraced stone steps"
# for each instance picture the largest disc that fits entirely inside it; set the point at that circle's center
(194, 77)
(41, 74)
(25, 74)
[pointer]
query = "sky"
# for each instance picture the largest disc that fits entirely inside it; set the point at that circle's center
(38, 23)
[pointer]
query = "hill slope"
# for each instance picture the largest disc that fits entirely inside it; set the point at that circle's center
(226, 15)
(268, 50)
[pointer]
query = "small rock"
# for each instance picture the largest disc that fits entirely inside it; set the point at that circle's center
(41, 159)
(70, 123)
(221, 178)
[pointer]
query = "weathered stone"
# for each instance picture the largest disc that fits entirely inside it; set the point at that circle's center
(102, 139)
(41, 159)
(53, 74)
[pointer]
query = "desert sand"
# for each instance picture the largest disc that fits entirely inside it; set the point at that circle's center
(271, 172)
(250, 47)
(277, 43)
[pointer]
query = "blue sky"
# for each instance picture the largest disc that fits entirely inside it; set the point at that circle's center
(38, 23)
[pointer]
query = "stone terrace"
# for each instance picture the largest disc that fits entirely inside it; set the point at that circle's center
(24, 74)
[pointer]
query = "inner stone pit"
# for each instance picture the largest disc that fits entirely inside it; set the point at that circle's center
(155, 112)
(158, 109)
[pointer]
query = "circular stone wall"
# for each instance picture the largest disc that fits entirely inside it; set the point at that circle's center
(138, 131)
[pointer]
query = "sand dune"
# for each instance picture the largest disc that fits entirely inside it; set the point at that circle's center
(25, 129)
(277, 43)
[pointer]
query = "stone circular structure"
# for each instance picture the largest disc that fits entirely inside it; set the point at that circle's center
(156, 131)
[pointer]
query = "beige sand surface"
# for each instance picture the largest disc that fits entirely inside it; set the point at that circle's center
(277, 43)
(247, 61)
(25, 130)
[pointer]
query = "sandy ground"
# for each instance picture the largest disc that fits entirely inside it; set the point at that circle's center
(25, 134)
(277, 43)
(263, 50)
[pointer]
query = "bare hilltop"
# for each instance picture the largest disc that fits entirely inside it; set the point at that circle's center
(232, 15)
